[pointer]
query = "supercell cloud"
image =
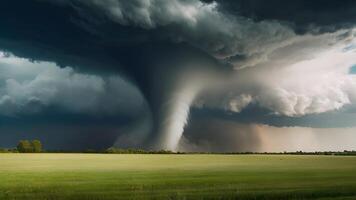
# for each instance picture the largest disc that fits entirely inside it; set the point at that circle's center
(180, 75)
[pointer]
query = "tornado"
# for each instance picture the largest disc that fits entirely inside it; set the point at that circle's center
(170, 80)
(174, 117)
(173, 112)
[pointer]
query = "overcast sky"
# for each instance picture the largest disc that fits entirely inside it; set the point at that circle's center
(188, 75)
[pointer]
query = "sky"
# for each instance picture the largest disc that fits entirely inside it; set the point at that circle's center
(181, 75)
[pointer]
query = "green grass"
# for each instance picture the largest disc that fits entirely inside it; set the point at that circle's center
(107, 176)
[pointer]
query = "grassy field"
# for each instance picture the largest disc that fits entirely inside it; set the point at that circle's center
(104, 176)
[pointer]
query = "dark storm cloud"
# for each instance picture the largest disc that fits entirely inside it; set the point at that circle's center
(316, 15)
(173, 50)
(61, 37)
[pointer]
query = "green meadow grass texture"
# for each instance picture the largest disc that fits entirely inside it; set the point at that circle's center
(133, 176)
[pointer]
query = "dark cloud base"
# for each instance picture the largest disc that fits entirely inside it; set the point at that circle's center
(63, 131)
(257, 115)
(61, 137)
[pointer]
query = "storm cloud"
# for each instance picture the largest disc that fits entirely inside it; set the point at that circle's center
(153, 61)
(309, 76)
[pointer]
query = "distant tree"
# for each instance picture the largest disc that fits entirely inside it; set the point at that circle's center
(36, 146)
(24, 146)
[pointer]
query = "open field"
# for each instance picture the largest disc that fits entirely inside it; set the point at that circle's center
(108, 176)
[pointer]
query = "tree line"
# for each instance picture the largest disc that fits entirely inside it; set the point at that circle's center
(26, 146)
(35, 146)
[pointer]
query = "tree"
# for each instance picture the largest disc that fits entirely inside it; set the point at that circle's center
(24, 146)
(36, 146)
